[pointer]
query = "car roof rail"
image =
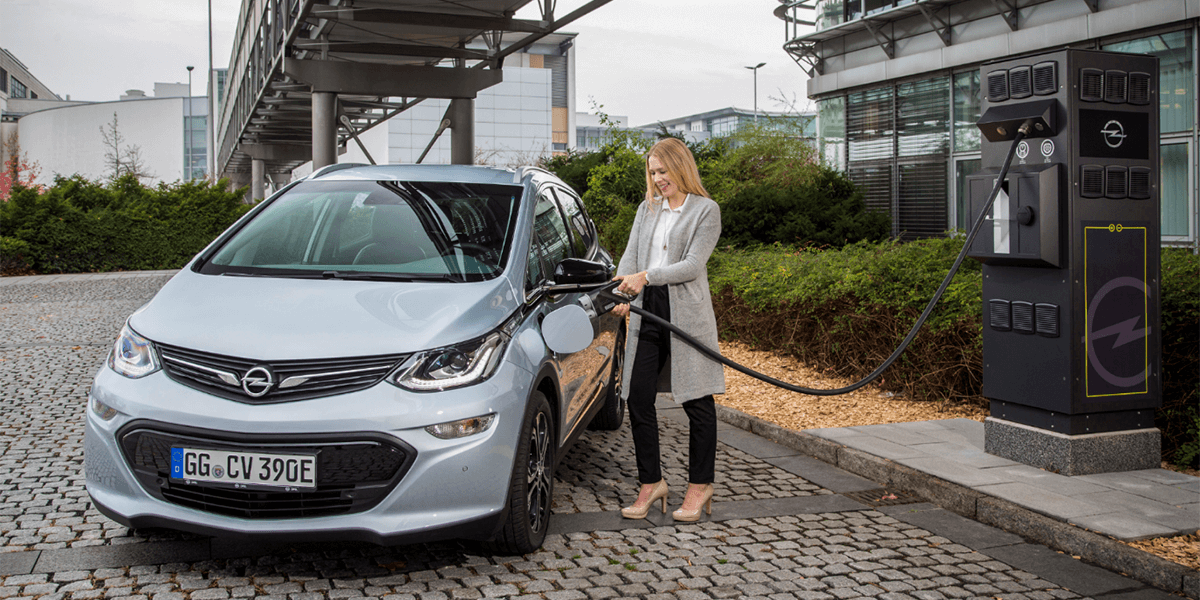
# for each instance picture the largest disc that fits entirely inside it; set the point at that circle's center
(530, 169)
(327, 169)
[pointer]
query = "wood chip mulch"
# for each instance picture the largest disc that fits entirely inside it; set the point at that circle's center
(868, 406)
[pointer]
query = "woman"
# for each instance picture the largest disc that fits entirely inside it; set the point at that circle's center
(664, 265)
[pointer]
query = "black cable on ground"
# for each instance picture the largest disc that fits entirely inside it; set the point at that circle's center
(912, 334)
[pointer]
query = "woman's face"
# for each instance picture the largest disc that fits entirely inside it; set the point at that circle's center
(661, 178)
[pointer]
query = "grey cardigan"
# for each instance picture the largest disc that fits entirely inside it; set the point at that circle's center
(690, 374)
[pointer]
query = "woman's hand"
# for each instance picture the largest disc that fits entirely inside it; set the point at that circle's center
(631, 285)
(621, 310)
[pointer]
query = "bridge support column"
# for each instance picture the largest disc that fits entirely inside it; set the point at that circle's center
(258, 173)
(324, 129)
(462, 131)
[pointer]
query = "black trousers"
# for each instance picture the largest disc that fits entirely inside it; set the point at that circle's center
(653, 352)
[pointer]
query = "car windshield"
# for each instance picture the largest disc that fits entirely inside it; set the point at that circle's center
(386, 230)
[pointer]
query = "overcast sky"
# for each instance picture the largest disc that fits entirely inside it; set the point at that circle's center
(649, 60)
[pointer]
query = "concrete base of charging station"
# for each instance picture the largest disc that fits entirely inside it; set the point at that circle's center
(1071, 455)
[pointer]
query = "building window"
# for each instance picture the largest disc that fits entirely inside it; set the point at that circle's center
(923, 150)
(195, 147)
(17, 89)
(723, 126)
(967, 109)
(1175, 186)
(831, 131)
(3, 81)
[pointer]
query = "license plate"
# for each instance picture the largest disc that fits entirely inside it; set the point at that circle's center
(245, 469)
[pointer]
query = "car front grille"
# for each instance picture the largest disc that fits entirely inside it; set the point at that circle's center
(354, 471)
(289, 380)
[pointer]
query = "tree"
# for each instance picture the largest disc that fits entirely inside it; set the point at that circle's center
(18, 169)
(122, 158)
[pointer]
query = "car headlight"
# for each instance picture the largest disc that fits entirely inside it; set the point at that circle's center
(133, 355)
(453, 366)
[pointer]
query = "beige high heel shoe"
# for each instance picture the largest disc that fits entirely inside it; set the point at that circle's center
(641, 508)
(705, 501)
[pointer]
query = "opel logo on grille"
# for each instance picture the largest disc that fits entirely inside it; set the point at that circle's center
(257, 382)
(1114, 133)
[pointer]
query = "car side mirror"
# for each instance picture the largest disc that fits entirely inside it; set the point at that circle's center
(578, 275)
(579, 271)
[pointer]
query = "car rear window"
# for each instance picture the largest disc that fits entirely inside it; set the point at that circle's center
(376, 229)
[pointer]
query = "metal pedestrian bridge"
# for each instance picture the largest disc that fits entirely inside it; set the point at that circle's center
(307, 76)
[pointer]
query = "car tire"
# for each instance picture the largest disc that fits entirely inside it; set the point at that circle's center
(531, 492)
(612, 414)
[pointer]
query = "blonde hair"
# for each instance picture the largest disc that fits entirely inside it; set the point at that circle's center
(680, 165)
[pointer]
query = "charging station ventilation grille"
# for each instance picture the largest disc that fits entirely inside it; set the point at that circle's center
(997, 86)
(1116, 182)
(1020, 83)
(1116, 87)
(1091, 85)
(1045, 78)
(1046, 317)
(1092, 181)
(1022, 317)
(1139, 88)
(1139, 183)
(1000, 315)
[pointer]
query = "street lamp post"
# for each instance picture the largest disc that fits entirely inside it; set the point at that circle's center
(755, 68)
(210, 132)
(187, 130)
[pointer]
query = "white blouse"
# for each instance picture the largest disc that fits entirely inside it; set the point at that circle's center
(662, 230)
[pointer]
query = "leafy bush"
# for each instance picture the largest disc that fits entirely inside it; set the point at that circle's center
(78, 225)
(844, 311)
(826, 210)
(13, 254)
(1179, 418)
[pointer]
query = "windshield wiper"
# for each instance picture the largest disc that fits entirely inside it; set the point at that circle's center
(409, 277)
(241, 274)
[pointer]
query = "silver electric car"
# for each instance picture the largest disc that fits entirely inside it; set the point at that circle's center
(363, 357)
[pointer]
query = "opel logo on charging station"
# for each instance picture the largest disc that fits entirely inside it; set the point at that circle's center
(257, 382)
(1114, 133)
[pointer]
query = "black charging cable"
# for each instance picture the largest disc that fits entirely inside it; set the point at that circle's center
(912, 334)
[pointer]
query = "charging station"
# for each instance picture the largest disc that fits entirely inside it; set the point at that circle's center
(1070, 254)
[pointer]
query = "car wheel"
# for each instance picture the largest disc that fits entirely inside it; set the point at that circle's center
(612, 414)
(531, 491)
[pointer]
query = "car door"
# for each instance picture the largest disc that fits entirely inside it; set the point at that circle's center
(595, 359)
(549, 245)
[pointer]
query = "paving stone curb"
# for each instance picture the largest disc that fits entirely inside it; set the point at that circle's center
(1089, 546)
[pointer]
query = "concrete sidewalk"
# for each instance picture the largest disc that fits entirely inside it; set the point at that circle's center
(1132, 505)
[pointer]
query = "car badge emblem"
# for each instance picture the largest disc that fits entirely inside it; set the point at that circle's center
(257, 382)
(1114, 133)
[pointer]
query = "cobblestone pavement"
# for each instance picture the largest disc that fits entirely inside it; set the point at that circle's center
(773, 533)
(833, 556)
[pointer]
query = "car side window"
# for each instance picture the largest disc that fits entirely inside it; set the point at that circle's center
(582, 237)
(550, 243)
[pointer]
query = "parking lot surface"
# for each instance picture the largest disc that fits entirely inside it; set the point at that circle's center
(782, 524)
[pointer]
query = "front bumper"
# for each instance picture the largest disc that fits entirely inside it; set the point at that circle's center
(447, 488)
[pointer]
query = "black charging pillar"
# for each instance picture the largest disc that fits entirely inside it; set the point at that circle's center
(1070, 255)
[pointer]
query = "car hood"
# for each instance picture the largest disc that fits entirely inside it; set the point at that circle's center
(281, 319)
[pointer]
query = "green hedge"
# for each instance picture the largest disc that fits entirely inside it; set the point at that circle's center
(845, 310)
(78, 225)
